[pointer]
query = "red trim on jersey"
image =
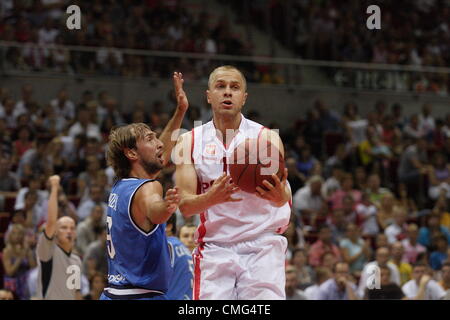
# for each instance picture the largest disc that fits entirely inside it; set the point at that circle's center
(197, 273)
(192, 146)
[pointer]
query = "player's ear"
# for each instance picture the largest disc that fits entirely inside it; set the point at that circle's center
(245, 98)
(130, 153)
(207, 97)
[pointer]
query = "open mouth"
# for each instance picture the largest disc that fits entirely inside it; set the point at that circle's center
(227, 103)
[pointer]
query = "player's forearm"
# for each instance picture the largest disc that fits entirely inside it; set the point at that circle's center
(158, 213)
(191, 204)
(52, 212)
(166, 136)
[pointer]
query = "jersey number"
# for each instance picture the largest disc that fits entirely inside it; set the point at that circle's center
(109, 243)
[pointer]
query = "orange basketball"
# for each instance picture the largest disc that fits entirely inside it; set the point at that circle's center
(254, 161)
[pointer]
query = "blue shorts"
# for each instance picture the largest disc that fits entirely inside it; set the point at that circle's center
(132, 297)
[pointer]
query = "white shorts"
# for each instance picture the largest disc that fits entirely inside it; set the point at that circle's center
(249, 270)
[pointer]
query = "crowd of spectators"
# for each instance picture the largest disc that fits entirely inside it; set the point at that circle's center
(369, 191)
(412, 33)
(110, 24)
(68, 138)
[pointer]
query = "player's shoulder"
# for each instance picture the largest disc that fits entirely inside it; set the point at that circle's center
(150, 187)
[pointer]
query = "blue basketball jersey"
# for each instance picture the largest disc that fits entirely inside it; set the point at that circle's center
(180, 287)
(136, 259)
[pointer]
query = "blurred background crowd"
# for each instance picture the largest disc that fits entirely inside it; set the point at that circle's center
(370, 187)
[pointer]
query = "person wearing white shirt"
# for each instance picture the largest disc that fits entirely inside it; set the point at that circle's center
(396, 229)
(381, 259)
(422, 287)
(63, 106)
(322, 275)
(308, 201)
(84, 125)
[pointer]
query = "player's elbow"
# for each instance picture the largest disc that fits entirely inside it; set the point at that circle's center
(185, 210)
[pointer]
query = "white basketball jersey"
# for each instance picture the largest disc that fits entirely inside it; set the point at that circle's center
(231, 222)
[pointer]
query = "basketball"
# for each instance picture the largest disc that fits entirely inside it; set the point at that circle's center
(254, 161)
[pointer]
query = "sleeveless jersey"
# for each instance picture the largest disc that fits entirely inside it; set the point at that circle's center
(180, 287)
(136, 259)
(231, 222)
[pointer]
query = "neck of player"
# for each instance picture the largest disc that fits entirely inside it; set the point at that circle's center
(140, 173)
(224, 123)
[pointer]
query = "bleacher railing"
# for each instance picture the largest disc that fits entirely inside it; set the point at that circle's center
(84, 61)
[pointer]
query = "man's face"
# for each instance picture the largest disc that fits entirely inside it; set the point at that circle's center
(96, 194)
(382, 256)
(187, 237)
(325, 235)
(97, 214)
(446, 274)
(385, 277)
(66, 231)
(418, 272)
(413, 233)
(150, 152)
(316, 187)
(341, 274)
(227, 93)
(291, 282)
(397, 250)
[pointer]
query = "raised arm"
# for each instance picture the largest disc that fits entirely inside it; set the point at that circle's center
(186, 180)
(176, 120)
(149, 201)
(52, 213)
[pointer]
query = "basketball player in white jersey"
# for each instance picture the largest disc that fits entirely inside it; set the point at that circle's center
(240, 252)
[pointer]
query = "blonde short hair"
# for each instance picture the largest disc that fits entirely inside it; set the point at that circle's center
(213, 74)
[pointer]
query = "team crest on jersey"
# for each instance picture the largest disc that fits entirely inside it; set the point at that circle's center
(210, 149)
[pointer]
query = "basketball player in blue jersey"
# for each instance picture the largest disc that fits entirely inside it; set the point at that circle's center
(139, 264)
(180, 287)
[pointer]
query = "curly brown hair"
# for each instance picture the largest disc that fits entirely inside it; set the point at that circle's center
(119, 139)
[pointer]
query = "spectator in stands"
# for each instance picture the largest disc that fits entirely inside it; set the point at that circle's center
(411, 246)
(84, 125)
(95, 256)
(355, 251)
(440, 255)
(187, 236)
(23, 143)
(86, 179)
(89, 228)
(381, 260)
(337, 198)
(422, 286)
(432, 229)
(308, 201)
(9, 184)
(322, 246)
(63, 106)
(412, 130)
(367, 215)
(441, 209)
(18, 258)
(322, 275)
(340, 286)
(296, 178)
(34, 185)
(439, 177)
(96, 285)
(292, 291)
(388, 290)
(293, 238)
(305, 274)
(375, 190)
(396, 231)
(96, 198)
(412, 167)
(403, 267)
(34, 161)
(426, 120)
(445, 276)
(21, 106)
